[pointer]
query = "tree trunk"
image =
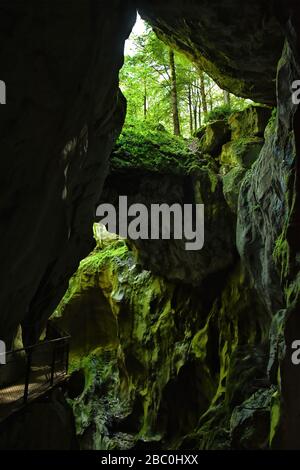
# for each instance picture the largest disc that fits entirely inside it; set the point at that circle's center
(203, 93)
(226, 97)
(195, 117)
(145, 100)
(199, 109)
(174, 96)
(190, 110)
(211, 103)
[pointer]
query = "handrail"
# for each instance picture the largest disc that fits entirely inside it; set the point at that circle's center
(36, 345)
(57, 330)
(41, 367)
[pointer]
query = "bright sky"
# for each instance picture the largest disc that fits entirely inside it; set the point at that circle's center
(139, 28)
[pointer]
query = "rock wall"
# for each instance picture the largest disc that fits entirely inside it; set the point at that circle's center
(47, 424)
(165, 364)
(173, 344)
(60, 64)
(237, 43)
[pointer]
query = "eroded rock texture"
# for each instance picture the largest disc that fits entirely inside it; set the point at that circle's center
(171, 258)
(60, 63)
(159, 356)
(172, 356)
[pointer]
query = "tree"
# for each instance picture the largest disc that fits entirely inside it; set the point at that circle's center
(226, 98)
(174, 98)
(163, 87)
(203, 93)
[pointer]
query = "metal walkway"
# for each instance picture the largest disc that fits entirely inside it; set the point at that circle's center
(30, 372)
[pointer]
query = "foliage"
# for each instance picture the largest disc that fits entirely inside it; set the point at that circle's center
(225, 110)
(219, 112)
(146, 82)
(151, 148)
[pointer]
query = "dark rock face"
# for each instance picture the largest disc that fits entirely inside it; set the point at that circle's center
(44, 425)
(262, 193)
(63, 113)
(288, 257)
(237, 43)
(170, 258)
(216, 134)
(268, 234)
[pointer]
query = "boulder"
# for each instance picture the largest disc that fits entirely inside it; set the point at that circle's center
(215, 135)
(249, 123)
(131, 335)
(243, 152)
(170, 258)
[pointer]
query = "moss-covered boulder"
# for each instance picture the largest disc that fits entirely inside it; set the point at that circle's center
(250, 122)
(243, 152)
(147, 148)
(144, 169)
(213, 136)
(248, 129)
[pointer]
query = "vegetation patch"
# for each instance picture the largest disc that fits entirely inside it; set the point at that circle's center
(148, 148)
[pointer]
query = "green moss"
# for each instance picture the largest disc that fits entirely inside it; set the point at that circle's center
(275, 416)
(89, 266)
(281, 255)
(220, 112)
(99, 258)
(149, 149)
(243, 151)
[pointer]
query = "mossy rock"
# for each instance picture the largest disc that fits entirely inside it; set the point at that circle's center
(251, 122)
(250, 422)
(214, 136)
(243, 152)
(231, 186)
(147, 148)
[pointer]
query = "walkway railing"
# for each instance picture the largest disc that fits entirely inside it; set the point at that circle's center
(30, 371)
